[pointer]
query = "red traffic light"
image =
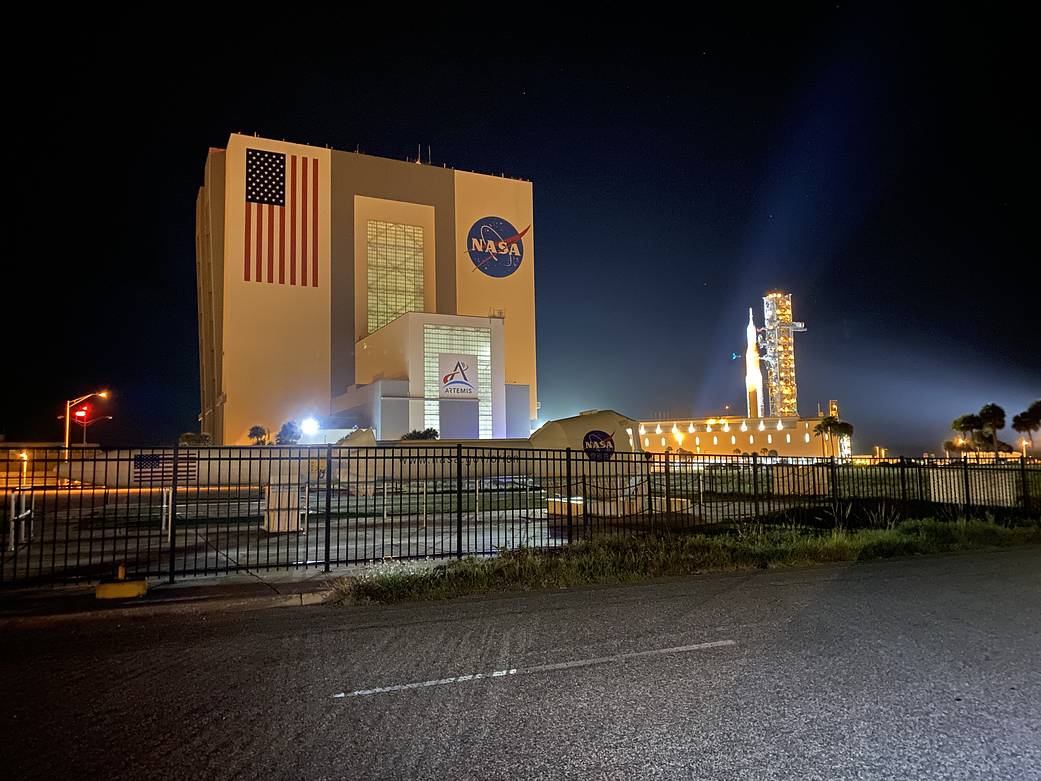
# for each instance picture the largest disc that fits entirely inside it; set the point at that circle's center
(83, 413)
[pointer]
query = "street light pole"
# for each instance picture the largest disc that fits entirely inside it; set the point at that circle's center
(69, 403)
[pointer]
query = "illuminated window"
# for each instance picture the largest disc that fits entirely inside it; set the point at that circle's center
(697, 440)
(439, 339)
(646, 441)
(769, 439)
(751, 440)
(715, 440)
(788, 438)
(663, 441)
(733, 440)
(806, 437)
(395, 271)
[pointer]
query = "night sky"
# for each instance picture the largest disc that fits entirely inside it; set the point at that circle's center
(884, 171)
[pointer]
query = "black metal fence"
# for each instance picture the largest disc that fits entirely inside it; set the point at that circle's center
(75, 516)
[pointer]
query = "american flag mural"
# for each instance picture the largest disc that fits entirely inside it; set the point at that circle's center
(158, 468)
(281, 219)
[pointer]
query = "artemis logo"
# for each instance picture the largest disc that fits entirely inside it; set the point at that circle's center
(495, 246)
(456, 382)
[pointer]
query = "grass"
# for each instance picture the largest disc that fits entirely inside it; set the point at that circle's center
(634, 559)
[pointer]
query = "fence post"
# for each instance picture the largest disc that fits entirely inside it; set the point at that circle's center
(668, 487)
(1026, 488)
(833, 479)
(965, 470)
(459, 501)
(567, 473)
(328, 501)
(903, 488)
(585, 508)
(755, 485)
(173, 511)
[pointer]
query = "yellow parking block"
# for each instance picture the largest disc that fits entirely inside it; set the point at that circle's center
(122, 589)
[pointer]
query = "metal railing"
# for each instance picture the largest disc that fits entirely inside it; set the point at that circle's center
(186, 511)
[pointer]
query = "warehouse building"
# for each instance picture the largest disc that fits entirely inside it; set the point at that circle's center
(362, 291)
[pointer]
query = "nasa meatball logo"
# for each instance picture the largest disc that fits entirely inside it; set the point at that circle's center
(495, 246)
(599, 445)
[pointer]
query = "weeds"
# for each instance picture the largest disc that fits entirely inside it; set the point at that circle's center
(631, 559)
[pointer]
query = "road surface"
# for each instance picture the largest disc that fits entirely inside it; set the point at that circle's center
(926, 668)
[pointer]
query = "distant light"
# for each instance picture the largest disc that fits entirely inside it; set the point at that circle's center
(103, 394)
(309, 426)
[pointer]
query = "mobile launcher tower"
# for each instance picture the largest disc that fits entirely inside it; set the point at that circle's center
(778, 342)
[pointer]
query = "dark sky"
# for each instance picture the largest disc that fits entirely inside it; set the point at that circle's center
(882, 169)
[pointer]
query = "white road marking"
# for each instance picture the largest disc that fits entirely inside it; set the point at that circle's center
(540, 668)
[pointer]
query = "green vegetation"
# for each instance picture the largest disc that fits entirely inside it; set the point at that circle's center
(425, 434)
(980, 432)
(633, 559)
(289, 434)
(1028, 421)
(832, 427)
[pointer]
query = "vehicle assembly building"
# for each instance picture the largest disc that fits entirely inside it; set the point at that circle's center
(362, 291)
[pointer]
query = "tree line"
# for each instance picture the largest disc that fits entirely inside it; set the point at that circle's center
(979, 431)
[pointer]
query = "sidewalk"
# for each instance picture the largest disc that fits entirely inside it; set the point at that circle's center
(229, 593)
(235, 591)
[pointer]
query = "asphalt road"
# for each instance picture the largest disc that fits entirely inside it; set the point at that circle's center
(927, 668)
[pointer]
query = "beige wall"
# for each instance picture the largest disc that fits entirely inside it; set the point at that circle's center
(477, 196)
(209, 267)
(385, 353)
(276, 336)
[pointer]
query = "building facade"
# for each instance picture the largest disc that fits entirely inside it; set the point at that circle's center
(334, 285)
(733, 435)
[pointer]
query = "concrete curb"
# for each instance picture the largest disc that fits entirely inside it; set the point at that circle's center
(173, 605)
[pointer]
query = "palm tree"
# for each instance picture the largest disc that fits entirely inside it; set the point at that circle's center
(833, 428)
(1028, 421)
(826, 430)
(993, 418)
(258, 434)
(967, 426)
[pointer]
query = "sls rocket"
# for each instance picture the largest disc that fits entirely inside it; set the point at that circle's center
(753, 376)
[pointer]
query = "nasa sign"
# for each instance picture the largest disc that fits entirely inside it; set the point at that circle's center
(599, 445)
(495, 246)
(458, 376)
